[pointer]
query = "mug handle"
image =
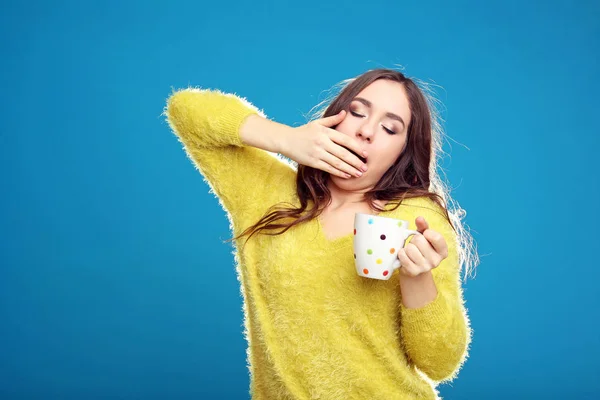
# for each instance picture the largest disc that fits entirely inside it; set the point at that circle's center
(396, 263)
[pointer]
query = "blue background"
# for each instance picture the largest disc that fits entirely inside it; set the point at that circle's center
(114, 279)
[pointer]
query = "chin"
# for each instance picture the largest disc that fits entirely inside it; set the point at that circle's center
(351, 180)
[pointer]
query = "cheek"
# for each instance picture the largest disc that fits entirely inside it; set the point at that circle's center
(394, 151)
(344, 126)
(384, 159)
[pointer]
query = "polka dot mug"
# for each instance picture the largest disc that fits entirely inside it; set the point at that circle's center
(377, 241)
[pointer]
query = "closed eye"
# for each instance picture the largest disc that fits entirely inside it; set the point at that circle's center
(391, 132)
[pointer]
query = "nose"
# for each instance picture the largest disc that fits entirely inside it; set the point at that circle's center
(366, 132)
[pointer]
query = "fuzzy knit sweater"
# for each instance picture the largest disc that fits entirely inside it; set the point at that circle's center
(315, 328)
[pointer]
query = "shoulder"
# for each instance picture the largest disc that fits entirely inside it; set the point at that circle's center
(423, 206)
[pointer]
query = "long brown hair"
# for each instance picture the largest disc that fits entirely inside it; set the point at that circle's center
(413, 174)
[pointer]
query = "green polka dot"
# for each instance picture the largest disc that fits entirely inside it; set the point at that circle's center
(369, 251)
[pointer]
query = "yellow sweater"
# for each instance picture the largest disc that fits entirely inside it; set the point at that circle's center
(315, 329)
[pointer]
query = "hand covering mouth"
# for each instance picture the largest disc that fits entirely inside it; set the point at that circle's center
(363, 159)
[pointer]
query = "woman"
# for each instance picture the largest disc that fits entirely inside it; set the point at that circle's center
(315, 328)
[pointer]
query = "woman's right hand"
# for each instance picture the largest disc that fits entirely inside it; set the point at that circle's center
(318, 146)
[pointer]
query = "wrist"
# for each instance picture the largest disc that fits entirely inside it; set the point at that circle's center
(417, 291)
(416, 280)
(279, 134)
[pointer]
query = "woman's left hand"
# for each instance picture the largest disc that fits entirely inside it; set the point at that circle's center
(424, 252)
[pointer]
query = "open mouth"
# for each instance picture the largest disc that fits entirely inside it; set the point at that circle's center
(361, 158)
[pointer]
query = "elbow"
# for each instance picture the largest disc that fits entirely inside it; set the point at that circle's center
(446, 369)
(448, 358)
(174, 108)
(181, 113)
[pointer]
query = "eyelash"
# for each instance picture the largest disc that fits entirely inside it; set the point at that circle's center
(391, 132)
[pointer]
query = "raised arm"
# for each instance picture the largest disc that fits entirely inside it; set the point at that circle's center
(237, 167)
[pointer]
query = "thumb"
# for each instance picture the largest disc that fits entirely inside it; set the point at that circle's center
(422, 225)
(333, 119)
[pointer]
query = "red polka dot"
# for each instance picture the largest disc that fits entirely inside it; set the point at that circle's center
(355, 231)
(385, 273)
(365, 271)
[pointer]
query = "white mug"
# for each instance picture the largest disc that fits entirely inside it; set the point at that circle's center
(377, 241)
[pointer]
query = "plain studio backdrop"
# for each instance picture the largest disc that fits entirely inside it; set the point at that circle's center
(114, 278)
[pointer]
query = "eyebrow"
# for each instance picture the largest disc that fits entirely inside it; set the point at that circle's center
(388, 114)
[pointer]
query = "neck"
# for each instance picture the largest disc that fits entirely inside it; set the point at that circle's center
(343, 199)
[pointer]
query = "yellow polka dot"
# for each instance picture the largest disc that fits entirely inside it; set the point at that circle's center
(379, 261)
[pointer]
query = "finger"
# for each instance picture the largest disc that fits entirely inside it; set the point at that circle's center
(349, 144)
(429, 253)
(340, 165)
(407, 266)
(322, 165)
(332, 120)
(415, 255)
(350, 163)
(421, 223)
(437, 241)
(342, 139)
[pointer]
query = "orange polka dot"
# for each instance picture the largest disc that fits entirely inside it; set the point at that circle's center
(365, 271)
(355, 231)
(392, 250)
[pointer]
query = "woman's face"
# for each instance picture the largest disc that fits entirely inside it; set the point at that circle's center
(369, 120)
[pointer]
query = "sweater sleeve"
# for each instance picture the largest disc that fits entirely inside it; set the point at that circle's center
(437, 335)
(207, 122)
